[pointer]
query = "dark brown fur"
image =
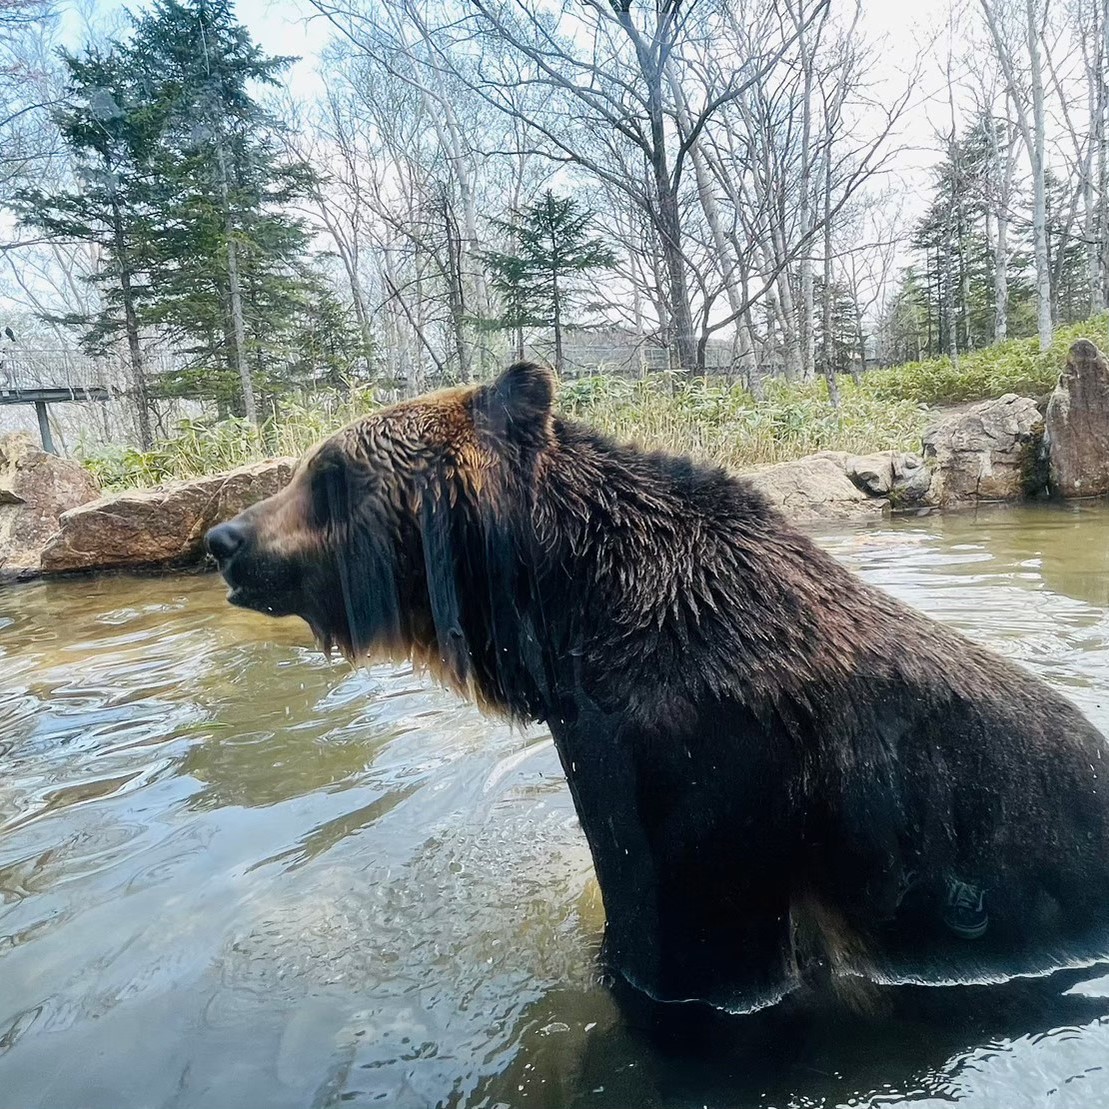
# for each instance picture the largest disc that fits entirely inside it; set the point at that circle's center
(764, 751)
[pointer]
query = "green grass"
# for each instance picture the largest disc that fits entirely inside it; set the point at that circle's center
(1016, 366)
(200, 447)
(705, 417)
(724, 424)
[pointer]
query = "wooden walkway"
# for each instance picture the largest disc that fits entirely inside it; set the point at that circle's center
(46, 377)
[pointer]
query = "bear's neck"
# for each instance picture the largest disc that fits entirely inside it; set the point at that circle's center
(621, 575)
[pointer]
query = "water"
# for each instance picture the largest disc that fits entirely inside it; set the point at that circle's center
(233, 874)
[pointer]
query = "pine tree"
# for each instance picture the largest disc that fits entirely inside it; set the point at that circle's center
(111, 130)
(540, 279)
(229, 254)
(947, 302)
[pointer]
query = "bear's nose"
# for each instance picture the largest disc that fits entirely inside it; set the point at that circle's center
(224, 540)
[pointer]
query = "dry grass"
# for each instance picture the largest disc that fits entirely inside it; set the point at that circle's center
(707, 418)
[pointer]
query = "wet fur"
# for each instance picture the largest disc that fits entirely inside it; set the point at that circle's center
(762, 749)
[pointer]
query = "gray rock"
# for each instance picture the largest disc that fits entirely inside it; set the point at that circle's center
(35, 489)
(155, 528)
(1076, 425)
(988, 452)
(813, 488)
(899, 475)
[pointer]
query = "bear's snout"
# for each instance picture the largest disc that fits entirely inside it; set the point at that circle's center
(224, 540)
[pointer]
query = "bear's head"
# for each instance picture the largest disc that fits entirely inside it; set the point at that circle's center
(372, 539)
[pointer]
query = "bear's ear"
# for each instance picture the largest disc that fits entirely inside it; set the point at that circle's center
(520, 400)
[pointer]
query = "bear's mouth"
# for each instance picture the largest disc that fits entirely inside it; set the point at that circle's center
(240, 598)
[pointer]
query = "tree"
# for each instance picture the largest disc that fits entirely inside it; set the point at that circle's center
(539, 277)
(594, 92)
(111, 133)
(1023, 69)
(228, 249)
(25, 92)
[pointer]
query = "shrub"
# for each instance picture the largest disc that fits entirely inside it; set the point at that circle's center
(1016, 366)
(707, 417)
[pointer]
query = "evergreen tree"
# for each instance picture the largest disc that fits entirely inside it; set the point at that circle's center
(229, 254)
(838, 350)
(540, 279)
(330, 349)
(946, 302)
(1070, 290)
(111, 130)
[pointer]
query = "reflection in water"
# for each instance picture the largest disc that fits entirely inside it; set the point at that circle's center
(232, 873)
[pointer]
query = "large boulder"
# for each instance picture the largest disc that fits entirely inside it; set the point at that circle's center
(158, 528)
(1076, 425)
(35, 489)
(898, 475)
(989, 452)
(812, 489)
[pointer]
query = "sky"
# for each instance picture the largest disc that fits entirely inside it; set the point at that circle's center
(903, 30)
(903, 35)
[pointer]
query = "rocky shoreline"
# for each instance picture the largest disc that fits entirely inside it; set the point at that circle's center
(53, 519)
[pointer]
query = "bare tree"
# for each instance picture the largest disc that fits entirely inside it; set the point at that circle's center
(1009, 22)
(595, 92)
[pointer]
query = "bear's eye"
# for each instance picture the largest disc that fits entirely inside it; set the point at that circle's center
(330, 492)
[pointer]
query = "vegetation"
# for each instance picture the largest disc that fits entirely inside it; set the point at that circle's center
(200, 447)
(541, 281)
(711, 418)
(182, 187)
(1016, 366)
(707, 417)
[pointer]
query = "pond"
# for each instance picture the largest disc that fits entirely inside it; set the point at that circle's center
(235, 874)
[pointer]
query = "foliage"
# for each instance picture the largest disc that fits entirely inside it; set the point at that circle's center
(199, 447)
(947, 294)
(538, 279)
(723, 423)
(180, 177)
(1016, 366)
(223, 185)
(110, 134)
(710, 418)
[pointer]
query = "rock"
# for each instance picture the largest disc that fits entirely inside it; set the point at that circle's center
(813, 488)
(1076, 425)
(155, 528)
(989, 452)
(899, 475)
(35, 489)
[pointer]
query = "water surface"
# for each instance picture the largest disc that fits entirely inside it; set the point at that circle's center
(233, 874)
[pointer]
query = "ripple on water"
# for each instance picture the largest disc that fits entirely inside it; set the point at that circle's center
(234, 873)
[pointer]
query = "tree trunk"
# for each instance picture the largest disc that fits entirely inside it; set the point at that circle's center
(238, 331)
(1103, 153)
(681, 314)
(1001, 281)
(807, 314)
(947, 292)
(666, 210)
(455, 293)
(1003, 179)
(1039, 184)
(729, 266)
(1033, 134)
(556, 322)
(828, 358)
(131, 327)
(1095, 197)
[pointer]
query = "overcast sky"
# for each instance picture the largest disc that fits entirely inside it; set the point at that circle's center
(905, 31)
(903, 35)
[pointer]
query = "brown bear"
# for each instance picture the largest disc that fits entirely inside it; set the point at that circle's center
(782, 773)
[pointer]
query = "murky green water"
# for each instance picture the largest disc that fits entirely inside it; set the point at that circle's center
(232, 874)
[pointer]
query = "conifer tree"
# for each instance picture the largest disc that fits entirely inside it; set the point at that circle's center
(111, 130)
(229, 252)
(540, 279)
